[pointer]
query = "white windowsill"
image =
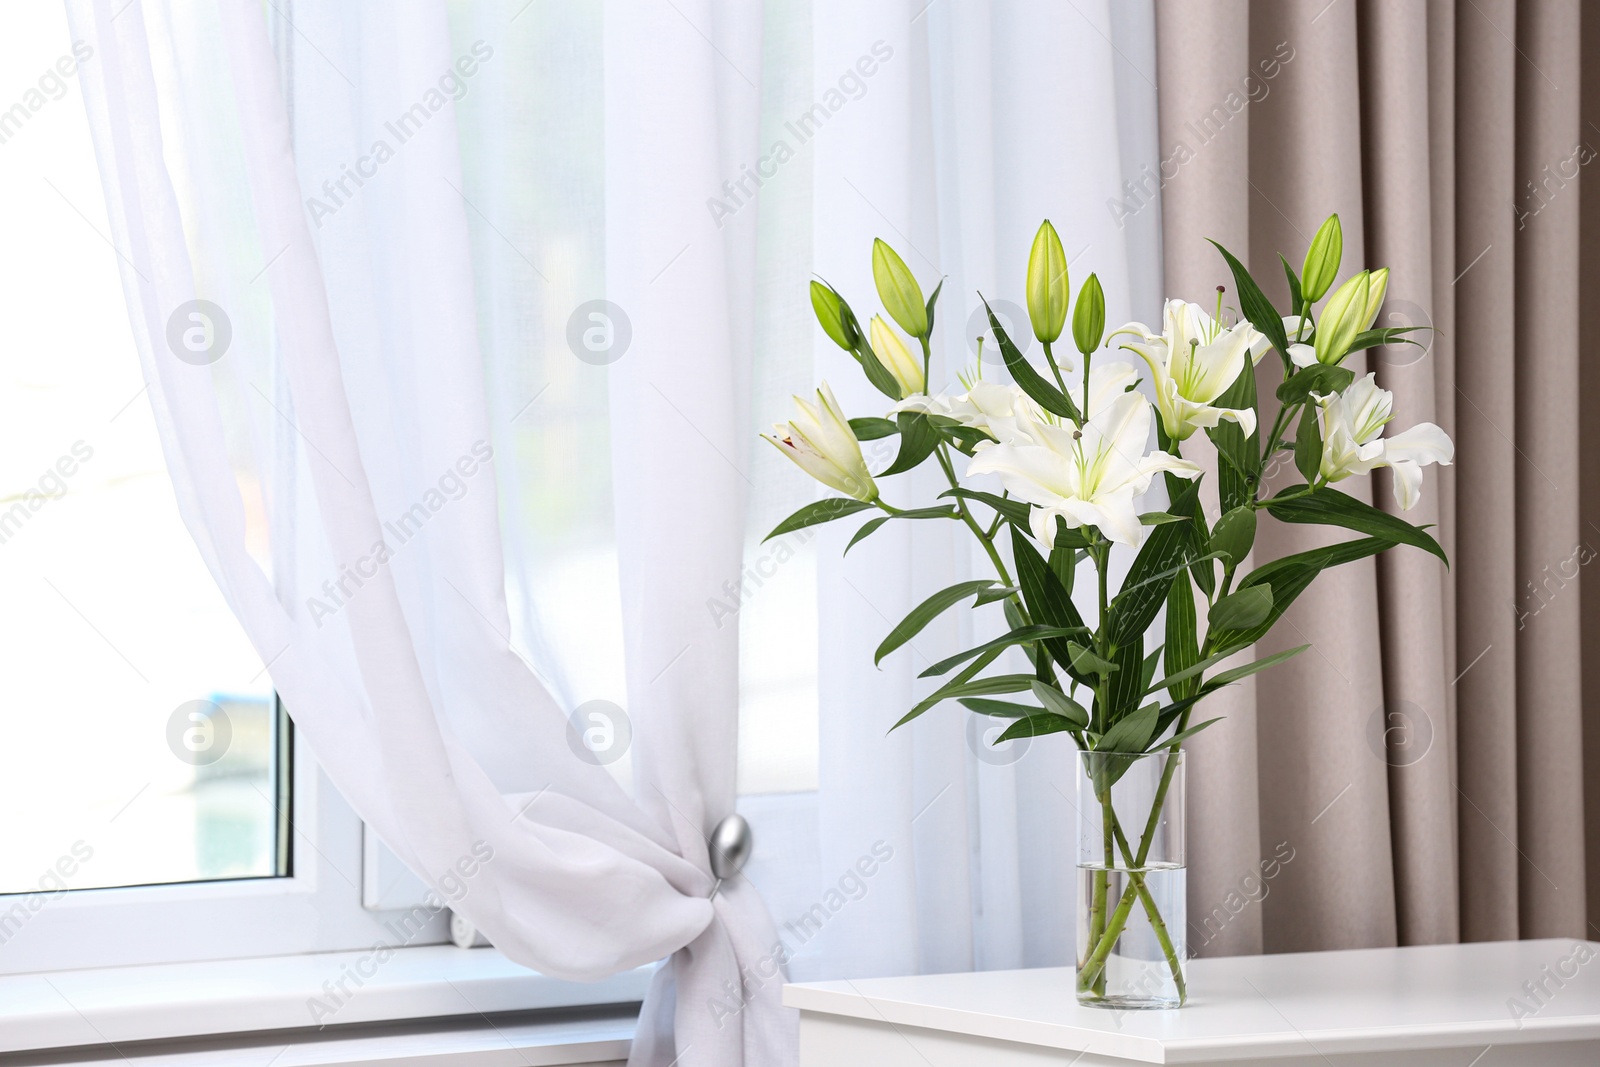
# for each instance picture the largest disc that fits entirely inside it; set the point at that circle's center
(122, 1005)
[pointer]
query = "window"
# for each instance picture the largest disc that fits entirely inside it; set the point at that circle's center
(152, 802)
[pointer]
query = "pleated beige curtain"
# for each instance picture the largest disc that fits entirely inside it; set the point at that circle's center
(1422, 769)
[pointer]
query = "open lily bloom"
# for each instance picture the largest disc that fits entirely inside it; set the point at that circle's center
(1193, 360)
(1352, 443)
(1108, 380)
(820, 442)
(991, 407)
(1090, 477)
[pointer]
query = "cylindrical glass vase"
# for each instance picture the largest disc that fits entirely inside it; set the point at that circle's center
(1131, 880)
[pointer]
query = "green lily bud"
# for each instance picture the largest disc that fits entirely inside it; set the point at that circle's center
(1089, 317)
(1342, 319)
(1322, 260)
(899, 291)
(1377, 286)
(829, 307)
(1047, 284)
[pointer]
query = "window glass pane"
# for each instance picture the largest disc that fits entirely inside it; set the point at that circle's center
(138, 737)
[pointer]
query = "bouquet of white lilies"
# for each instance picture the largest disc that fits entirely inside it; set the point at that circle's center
(1074, 456)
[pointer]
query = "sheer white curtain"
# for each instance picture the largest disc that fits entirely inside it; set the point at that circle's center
(926, 850)
(508, 289)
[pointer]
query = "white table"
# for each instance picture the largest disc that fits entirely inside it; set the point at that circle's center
(1435, 1006)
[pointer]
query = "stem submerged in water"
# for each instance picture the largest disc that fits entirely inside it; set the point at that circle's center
(1105, 931)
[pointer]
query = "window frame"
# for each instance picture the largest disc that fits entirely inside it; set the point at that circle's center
(316, 907)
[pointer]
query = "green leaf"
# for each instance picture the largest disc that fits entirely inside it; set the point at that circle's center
(1228, 677)
(1000, 709)
(835, 507)
(828, 305)
(1048, 602)
(1388, 335)
(1000, 683)
(1243, 609)
(1018, 636)
(1089, 317)
(989, 596)
(1069, 536)
(918, 438)
(1035, 726)
(1296, 297)
(898, 289)
(866, 531)
(1234, 535)
(1193, 670)
(1147, 672)
(965, 438)
(932, 300)
(1132, 733)
(1199, 538)
(1156, 518)
(1239, 455)
(1126, 681)
(870, 429)
(1183, 640)
(1014, 510)
(1317, 378)
(1087, 662)
(1029, 380)
(1136, 605)
(1064, 565)
(1289, 577)
(926, 612)
(1329, 507)
(1058, 703)
(875, 371)
(1183, 735)
(1308, 446)
(1254, 303)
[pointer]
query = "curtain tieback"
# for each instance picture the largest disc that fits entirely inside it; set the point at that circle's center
(731, 842)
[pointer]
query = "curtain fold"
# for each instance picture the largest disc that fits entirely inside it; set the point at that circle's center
(1425, 763)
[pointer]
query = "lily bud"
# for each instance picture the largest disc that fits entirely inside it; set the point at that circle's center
(897, 358)
(1322, 260)
(829, 307)
(1089, 317)
(1047, 284)
(898, 289)
(1377, 286)
(820, 442)
(1342, 319)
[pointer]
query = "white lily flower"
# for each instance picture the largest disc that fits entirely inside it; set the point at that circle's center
(1088, 477)
(988, 406)
(1108, 380)
(897, 358)
(1302, 355)
(1352, 425)
(1192, 362)
(820, 442)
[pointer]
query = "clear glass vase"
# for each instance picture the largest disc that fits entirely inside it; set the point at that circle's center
(1132, 917)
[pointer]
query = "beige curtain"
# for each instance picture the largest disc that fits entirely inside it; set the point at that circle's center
(1422, 769)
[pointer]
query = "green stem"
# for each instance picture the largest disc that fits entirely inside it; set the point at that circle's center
(1050, 358)
(1092, 973)
(1088, 358)
(972, 524)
